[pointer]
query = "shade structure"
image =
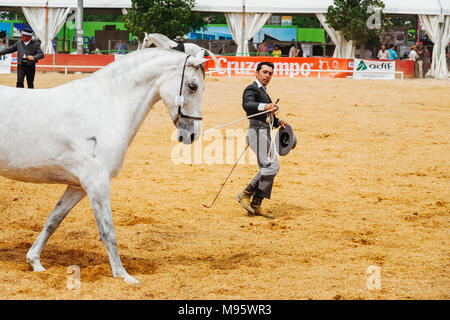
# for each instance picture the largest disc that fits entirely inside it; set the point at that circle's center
(433, 13)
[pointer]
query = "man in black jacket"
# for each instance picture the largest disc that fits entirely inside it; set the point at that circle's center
(255, 100)
(28, 53)
(180, 44)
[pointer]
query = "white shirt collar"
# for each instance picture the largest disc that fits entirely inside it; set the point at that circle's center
(260, 85)
(26, 43)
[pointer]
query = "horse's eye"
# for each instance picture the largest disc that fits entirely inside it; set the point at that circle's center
(192, 87)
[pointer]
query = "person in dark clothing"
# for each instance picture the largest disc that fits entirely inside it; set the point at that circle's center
(256, 100)
(180, 44)
(28, 53)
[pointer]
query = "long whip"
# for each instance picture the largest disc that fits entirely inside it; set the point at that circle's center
(232, 169)
(223, 184)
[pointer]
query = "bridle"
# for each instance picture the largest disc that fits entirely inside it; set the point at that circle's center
(180, 99)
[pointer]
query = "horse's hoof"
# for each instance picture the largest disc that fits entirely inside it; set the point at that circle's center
(129, 279)
(37, 266)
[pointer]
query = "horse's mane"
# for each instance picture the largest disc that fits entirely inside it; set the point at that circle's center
(138, 57)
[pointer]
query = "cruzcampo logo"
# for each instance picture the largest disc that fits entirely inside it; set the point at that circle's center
(361, 66)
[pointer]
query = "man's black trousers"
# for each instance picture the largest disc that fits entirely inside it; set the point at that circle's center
(25, 71)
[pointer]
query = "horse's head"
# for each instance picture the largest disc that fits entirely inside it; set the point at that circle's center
(182, 94)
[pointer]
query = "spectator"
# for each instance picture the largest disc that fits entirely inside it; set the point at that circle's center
(413, 54)
(91, 46)
(418, 70)
(276, 52)
(392, 53)
(383, 54)
(98, 48)
(293, 52)
(263, 49)
(180, 44)
(122, 48)
(2, 46)
(300, 51)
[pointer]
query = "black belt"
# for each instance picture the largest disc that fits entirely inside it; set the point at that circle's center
(258, 123)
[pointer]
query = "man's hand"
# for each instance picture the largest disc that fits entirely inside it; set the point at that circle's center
(30, 58)
(270, 106)
(282, 124)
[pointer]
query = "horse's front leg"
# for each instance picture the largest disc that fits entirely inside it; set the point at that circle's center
(70, 198)
(98, 190)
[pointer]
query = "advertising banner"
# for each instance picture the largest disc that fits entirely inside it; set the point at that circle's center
(5, 64)
(284, 67)
(374, 69)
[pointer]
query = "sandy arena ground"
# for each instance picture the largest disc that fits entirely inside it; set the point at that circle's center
(367, 185)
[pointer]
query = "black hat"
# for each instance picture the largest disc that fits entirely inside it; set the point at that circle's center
(285, 140)
(27, 32)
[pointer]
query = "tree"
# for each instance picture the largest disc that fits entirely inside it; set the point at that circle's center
(356, 21)
(306, 22)
(102, 17)
(215, 19)
(169, 17)
(12, 15)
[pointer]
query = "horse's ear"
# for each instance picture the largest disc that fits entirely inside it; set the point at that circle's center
(146, 34)
(196, 61)
(200, 54)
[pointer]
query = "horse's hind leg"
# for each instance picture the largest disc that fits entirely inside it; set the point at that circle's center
(70, 198)
(99, 195)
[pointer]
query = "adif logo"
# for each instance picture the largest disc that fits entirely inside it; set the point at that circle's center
(361, 66)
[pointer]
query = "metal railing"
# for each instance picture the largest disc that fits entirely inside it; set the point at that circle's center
(66, 68)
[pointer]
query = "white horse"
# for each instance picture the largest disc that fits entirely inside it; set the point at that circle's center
(161, 41)
(78, 133)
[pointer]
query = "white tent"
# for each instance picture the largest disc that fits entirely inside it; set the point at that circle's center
(246, 17)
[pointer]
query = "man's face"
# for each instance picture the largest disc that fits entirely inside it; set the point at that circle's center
(383, 47)
(26, 38)
(264, 75)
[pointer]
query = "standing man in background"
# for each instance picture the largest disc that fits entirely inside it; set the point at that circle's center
(180, 44)
(263, 49)
(383, 54)
(418, 70)
(28, 53)
(392, 53)
(2, 46)
(122, 49)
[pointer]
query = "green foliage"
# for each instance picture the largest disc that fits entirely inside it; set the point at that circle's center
(306, 22)
(351, 16)
(102, 17)
(215, 19)
(169, 17)
(12, 15)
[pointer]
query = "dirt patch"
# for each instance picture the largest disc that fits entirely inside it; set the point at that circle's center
(368, 184)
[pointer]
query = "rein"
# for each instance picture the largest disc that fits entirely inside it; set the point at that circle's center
(233, 122)
(179, 100)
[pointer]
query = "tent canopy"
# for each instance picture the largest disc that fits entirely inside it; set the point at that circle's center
(430, 7)
(434, 14)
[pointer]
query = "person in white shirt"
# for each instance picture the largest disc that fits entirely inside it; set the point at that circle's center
(293, 52)
(383, 54)
(413, 53)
